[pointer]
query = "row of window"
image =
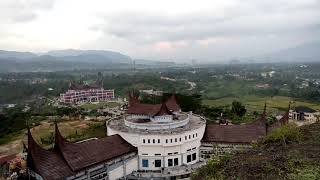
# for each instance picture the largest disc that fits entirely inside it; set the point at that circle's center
(154, 141)
(171, 162)
(191, 157)
(174, 153)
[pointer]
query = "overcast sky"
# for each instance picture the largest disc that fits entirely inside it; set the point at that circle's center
(208, 30)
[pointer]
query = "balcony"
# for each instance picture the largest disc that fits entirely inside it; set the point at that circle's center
(166, 172)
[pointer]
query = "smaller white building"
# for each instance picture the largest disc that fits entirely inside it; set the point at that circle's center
(303, 113)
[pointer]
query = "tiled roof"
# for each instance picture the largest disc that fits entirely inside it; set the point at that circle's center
(243, 134)
(88, 153)
(145, 109)
(150, 109)
(66, 159)
(172, 103)
(163, 110)
(233, 133)
(48, 164)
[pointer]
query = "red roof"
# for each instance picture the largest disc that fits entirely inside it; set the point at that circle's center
(88, 153)
(145, 109)
(243, 134)
(48, 164)
(151, 109)
(68, 158)
(163, 110)
(172, 103)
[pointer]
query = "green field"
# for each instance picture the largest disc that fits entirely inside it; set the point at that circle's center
(252, 103)
(99, 105)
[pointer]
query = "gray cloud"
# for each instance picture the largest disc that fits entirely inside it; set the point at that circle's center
(23, 11)
(250, 18)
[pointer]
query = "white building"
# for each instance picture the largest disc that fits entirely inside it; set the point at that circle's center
(302, 113)
(168, 140)
(148, 142)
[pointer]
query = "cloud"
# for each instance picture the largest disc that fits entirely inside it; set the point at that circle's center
(160, 29)
(22, 10)
(242, 20)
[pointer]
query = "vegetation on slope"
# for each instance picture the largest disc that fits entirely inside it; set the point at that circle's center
(287, 153)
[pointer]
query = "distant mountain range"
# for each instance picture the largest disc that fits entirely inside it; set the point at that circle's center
(69, 59)
(62, 60)
(309, 52)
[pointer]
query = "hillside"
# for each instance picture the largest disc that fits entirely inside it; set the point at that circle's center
(272, 159)
(12, 61)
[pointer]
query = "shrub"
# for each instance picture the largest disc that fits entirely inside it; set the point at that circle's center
(285, 134)
(213, 170)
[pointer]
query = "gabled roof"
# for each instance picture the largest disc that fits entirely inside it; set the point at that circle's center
(163, 110)
(67, 158)
(172, 103)
(81, 155)
(48, 164)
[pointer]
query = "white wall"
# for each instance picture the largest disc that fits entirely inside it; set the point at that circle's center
(130, 166)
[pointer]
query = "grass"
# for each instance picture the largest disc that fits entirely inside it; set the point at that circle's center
(72, 130)
(252, 102)
(99, 105)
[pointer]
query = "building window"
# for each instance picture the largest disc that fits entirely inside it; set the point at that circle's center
(169, 153)
(192, 135)
(175, 153)
(144, 141)
(158, 140)
(196, 134)
(170, 163)
(157, 163)
(145, 163)
(149, 141)
(180, 139)
(175, 140)
(194, 156)
(176, 161)
(166, 140)
(157, 154)
(185, 138)
(171, 140)
(189, 136)
(189, 158)
(154, 141)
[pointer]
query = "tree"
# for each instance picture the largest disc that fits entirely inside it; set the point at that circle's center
(238, 109)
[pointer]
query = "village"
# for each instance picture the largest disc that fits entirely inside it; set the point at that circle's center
(157, 141)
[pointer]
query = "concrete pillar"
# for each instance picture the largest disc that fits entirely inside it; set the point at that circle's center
(124, 169)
